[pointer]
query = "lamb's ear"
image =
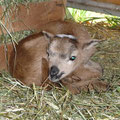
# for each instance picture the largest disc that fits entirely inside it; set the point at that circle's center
(48, 35)
(91, 44)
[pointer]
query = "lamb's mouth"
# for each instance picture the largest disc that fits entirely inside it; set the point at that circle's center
(56, 78)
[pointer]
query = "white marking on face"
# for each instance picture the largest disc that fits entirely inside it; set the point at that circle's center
(65, 35)
(70, 62)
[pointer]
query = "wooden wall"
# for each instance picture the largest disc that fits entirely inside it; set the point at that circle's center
(32, 15)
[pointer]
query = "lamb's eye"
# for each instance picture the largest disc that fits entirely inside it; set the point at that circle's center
(73, 58)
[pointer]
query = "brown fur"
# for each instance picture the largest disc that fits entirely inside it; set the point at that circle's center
(85, 78)
(31, 65)
(30, 60)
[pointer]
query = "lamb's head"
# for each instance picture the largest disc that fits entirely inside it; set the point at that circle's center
(65, 54)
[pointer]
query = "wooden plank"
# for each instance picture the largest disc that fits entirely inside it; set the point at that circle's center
(117, 2)
(33, 15)
(91, 5)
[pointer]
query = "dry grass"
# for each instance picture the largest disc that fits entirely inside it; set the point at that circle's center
(19, 102)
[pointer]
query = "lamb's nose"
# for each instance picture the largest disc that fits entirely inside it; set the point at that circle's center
(54, 71)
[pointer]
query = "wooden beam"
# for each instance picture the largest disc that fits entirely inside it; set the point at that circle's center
(117, 2)
(91, 5)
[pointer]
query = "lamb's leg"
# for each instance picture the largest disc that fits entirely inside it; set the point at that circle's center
(85, 78)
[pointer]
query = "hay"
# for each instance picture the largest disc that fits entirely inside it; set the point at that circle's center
(19, 102)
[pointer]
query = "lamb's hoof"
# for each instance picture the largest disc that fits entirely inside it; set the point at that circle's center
(96, 85)
(100, 86)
